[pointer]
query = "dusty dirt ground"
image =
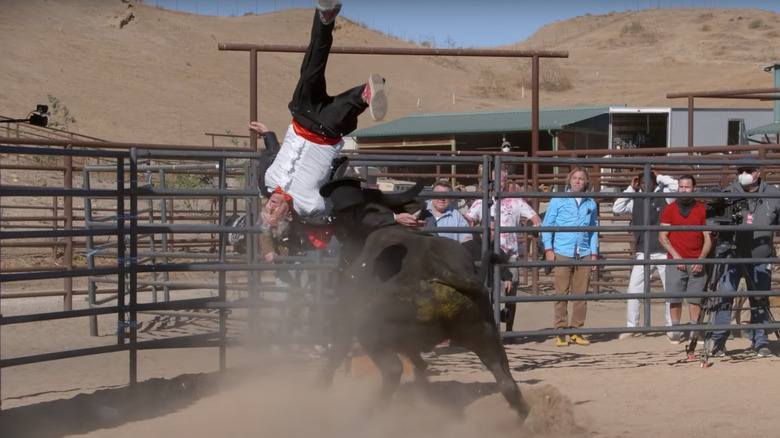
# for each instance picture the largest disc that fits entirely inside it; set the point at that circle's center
(131, 72)
(161, 79)
(640, 386)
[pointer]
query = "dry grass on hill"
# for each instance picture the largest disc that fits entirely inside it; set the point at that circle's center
(128, 71)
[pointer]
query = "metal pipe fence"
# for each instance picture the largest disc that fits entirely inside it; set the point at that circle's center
(133, 252)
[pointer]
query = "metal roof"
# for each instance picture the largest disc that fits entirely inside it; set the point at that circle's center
(482, 121)
(772, 128)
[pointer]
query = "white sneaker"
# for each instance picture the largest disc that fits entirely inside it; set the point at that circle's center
(374, 95)
(328, 9)
(626, 335)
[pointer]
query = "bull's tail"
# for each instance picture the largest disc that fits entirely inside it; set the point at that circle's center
(489, 258)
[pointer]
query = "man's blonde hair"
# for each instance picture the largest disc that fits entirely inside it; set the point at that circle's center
(575, 170)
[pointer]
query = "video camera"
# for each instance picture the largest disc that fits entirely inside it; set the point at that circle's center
(725, 211)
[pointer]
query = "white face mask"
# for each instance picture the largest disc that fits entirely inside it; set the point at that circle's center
(746, 179)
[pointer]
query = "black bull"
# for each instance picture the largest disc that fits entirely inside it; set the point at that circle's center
(405, 293)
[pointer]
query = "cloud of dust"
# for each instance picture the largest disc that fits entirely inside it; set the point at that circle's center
(283, 404)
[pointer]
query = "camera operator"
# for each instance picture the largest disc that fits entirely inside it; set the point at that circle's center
(749, 244)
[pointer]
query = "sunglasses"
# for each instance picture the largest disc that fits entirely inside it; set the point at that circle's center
(746, 169)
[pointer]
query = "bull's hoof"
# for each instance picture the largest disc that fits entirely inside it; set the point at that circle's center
(522, 416)
(522, 411)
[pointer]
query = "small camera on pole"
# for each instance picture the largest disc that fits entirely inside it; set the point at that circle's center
(37, 117)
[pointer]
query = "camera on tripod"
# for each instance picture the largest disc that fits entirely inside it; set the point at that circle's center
(725, 211)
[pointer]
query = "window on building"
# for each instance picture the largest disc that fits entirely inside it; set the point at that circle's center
(736, 134)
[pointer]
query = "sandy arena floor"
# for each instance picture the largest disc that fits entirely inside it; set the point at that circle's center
(640, 386)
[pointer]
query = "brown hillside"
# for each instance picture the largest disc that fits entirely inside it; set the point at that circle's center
(159, 77)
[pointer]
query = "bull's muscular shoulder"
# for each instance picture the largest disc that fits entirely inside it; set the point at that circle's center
(414, 240)
(401, 253)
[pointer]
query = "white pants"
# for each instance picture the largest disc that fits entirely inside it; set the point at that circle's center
(636, 285)
(300, 169)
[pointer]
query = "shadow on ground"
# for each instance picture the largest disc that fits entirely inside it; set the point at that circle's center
(107, 408)
(113, 407)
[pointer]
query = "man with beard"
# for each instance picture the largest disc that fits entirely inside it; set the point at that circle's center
(685, 276)
(757, 212)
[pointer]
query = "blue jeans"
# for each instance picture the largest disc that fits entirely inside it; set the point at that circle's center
(762, 279)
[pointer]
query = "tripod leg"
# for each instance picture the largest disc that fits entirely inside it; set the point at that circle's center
(708, 307)
(706, 347)
(695, 335)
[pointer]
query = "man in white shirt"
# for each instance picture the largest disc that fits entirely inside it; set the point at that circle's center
(635, 207)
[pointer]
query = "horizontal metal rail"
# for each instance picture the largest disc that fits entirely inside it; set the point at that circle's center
(404, 51)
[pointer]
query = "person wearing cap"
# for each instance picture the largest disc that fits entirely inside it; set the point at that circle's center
(636, 208)
(757, 212)
(291, 175)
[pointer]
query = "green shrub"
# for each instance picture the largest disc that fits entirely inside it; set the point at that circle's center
(635, 33)
(186, 181)
(552, 77)
(490, 84)
(635, 28)
(59, 114)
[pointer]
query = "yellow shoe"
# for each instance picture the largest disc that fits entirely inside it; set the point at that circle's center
(579, 340)
(561, 341)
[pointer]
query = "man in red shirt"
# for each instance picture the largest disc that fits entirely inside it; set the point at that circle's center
(681, 245)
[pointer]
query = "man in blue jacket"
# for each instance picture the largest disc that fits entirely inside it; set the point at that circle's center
(569, 246)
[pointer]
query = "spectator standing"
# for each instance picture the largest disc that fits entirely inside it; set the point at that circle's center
(624, 206)
(513, 212)
(474, 247)
(759, 212)
(578, 211)
(686, 277)
(440, 212)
